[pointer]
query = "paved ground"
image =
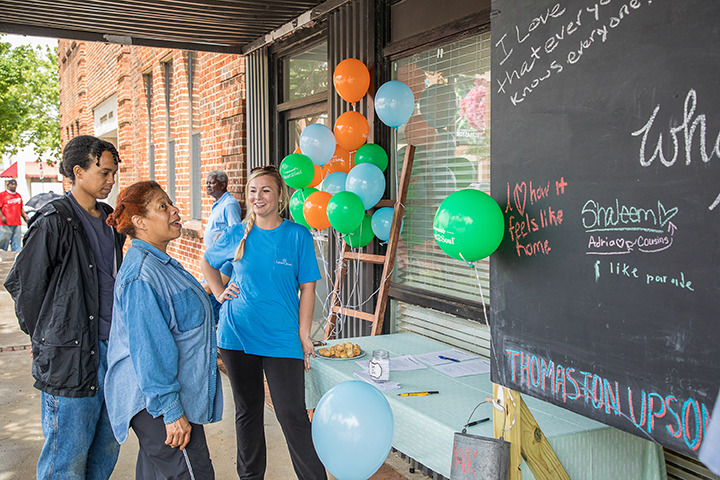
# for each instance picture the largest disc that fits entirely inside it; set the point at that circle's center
(21, 435)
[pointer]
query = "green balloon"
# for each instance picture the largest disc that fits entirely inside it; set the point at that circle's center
(296, 205)
(297, 170)
(362, 236)
(372, 153)
(469, 225)
(346, 211)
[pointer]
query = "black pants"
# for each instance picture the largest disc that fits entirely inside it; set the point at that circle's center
(286, 381)
(157, 461)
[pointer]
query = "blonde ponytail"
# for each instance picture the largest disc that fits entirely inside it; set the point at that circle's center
(250, 223)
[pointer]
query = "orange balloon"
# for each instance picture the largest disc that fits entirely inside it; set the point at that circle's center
(351, 79)
(319, 176)
(315, 210)
(351, 131)
(340, 162)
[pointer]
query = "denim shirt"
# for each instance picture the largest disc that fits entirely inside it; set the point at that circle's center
(162, 350)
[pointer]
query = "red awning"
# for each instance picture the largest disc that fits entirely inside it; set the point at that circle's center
(32, 170)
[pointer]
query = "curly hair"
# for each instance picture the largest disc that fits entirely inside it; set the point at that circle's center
(132, 201)
(219, 175)
(81, 151)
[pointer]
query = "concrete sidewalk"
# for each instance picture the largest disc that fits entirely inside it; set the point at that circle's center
(21, 437)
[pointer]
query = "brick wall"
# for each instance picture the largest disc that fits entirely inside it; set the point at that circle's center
(90, 73)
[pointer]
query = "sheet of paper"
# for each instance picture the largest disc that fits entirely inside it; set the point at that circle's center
(382, 386)
(397, 364)
(405, 363)
(463, 369)
(433, 358)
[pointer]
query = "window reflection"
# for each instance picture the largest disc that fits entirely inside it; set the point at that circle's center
(306, 73)
(451, 129)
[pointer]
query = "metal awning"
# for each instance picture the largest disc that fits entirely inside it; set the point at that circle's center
(226, 26)
(32, 170)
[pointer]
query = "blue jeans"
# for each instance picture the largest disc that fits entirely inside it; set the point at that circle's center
(79, 442)
(10, 236)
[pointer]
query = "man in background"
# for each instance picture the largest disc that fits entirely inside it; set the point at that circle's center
(11, 211)
(226, 212)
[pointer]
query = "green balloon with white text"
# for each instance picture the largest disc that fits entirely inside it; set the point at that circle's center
(469, 225)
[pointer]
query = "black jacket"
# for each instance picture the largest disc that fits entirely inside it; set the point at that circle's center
(54, 284)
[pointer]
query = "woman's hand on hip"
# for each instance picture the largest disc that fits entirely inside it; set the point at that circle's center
(229, 293)
(308, 350)
(178, 433)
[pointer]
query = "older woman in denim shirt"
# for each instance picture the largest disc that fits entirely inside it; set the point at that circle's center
(162, 377)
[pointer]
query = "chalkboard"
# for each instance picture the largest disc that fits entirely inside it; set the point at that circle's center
(605, 293)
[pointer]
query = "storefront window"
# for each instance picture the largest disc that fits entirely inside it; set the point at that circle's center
(305, 73)
(451, 130)
(296, 126)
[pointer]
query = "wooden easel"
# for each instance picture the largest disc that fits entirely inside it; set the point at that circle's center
(526, 439)
(387, 260)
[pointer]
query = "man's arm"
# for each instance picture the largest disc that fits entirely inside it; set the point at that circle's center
(2, 204)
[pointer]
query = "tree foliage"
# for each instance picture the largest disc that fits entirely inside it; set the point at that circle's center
(29, 100)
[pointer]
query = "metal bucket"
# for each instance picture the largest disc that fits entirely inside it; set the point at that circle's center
(479, 458)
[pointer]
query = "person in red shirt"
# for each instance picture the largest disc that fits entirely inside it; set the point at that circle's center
(11, 210)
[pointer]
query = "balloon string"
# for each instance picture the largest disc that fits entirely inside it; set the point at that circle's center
(493, 351)
(325, 267)
(482, 299)
(339, 317)
(471, 266)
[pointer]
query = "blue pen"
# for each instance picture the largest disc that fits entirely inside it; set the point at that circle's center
(448, 358)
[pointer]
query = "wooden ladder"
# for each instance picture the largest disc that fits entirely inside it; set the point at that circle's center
(387, 260)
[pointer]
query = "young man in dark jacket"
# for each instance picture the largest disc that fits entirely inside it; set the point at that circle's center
(62, 284)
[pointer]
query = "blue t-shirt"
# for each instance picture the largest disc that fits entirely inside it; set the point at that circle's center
(263, 319)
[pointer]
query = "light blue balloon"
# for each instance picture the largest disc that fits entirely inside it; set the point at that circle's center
(382, 221)
(352, 430)
(394, 103)
(367, 182)
(334, 183)
(318, 142)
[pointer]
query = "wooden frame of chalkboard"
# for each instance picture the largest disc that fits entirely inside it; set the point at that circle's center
(606, 163)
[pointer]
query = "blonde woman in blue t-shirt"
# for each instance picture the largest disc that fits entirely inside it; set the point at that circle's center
(265, 325)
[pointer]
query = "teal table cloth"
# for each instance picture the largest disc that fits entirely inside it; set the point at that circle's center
(425, 426)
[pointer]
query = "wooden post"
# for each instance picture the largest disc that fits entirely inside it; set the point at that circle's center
(526, 439)
(506, 424)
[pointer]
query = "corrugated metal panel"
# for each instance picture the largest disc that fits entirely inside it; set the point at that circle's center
(211, 25)
(258, 109)
(682, 467)
(351, 35)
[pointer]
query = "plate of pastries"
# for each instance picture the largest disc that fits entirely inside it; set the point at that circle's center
(341, 351)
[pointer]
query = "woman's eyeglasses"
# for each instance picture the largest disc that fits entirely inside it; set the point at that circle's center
(264, 168)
